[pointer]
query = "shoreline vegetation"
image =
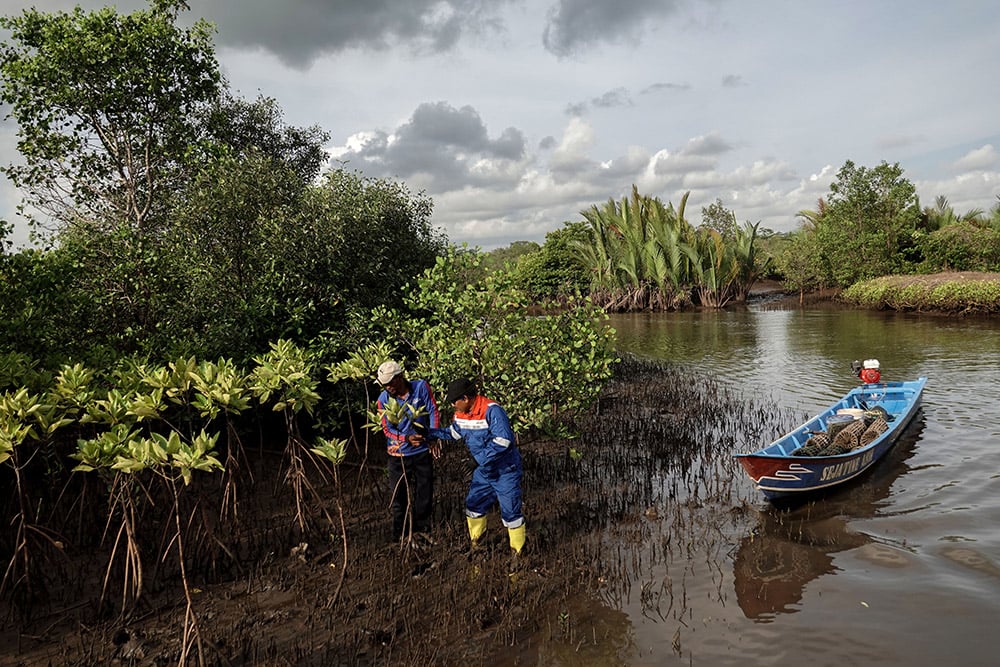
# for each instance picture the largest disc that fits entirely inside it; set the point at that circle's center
(944, 293)
(960, 292)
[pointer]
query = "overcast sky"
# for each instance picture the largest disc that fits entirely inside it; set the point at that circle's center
(515, 115)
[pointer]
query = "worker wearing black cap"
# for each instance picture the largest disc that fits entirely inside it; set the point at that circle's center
(487, 432)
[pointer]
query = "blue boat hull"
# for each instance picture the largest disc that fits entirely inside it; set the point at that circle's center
(780, 475)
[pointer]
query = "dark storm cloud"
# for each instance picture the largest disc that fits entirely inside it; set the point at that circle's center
(442, 143)
(573, 25)
(510, 145)
(298, 31)
(440, 125)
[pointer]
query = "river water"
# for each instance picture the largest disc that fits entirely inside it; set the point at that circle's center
(900, 568)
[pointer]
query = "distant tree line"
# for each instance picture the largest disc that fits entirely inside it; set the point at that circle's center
(641, 254)
(872, 225)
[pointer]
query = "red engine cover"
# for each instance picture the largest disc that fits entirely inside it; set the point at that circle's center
(870, 375)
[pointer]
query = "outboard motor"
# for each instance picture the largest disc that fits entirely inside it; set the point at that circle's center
(868, 371)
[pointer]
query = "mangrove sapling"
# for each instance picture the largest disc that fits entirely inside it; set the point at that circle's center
(178, 460)
(395, 412)
(25, 417)
(100, 454)
(284, 375)
(334, 452)
(220, 390)
(171, 459)
(71, 393)
(171, 384)
(122, 455)
(73, 390)
(16, 416)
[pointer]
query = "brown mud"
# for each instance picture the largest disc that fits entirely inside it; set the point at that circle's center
(655, 449)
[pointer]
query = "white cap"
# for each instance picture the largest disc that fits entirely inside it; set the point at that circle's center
(387, 371)
(871, 363)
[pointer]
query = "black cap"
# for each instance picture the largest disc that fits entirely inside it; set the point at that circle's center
(459, 388)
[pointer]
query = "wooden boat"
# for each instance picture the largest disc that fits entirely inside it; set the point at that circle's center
(807, 459)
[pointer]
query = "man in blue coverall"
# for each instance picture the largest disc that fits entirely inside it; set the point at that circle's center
(487, 432)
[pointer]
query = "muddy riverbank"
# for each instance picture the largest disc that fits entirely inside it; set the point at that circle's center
(278, 600)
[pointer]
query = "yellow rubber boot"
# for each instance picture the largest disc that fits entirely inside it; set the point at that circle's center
(516, 538)
(477, 526)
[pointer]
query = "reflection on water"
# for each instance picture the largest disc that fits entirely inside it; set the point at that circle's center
(771, 571)
(789, 547)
